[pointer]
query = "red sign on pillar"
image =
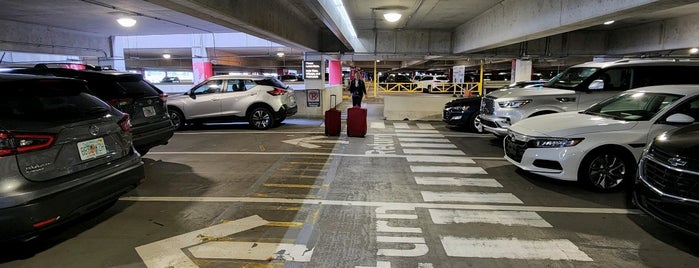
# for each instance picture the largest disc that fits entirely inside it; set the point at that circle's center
(202, 71)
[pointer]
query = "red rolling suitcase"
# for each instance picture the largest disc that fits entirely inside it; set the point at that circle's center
(332, 119)
(356, 121)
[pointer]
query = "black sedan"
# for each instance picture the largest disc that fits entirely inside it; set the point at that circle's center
(463, 113)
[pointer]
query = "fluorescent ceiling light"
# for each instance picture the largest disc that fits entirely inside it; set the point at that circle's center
(126, 21)
(392, 16)
(344, 17)
(693, 50)
(280, 54)
(167, 56)
(608, 22)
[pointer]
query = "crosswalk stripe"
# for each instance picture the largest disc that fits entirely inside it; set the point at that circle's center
(439, 159)
(419, 135)
(470, 197)
(427, 145)
(423, 140)
(424, 126)
(399, 239)
(416, 131)
(512, 248)
(452, 181)
(509, 218)
(433, 151)
(377, 125)
(449, 169)
(400, 125)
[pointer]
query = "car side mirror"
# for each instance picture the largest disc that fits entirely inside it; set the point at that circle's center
(680, 118)
(596, 85)
(192, 95)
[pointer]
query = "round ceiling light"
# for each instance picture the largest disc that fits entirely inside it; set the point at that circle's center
(126, 21)
(392, 16)
(693, 50)
(167, 56)
(280, 54)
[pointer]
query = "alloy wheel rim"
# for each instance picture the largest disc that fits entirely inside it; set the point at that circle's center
(175, 119)
(607, 171)
(261, 119)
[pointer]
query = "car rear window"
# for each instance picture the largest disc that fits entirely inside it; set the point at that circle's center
(270, 81)
(122, 88)
(48, 100)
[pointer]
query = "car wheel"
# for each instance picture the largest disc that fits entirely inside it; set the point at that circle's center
(474, 124)
(177, 119)
(261, 118)
(606, 170)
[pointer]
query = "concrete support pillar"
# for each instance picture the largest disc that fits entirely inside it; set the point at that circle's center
(521, 70)
(202, 67)
(335, 72)
(117, 60)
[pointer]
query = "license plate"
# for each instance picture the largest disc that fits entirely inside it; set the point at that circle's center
(91, 148)
(148, 111)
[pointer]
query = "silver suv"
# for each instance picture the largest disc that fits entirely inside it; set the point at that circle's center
(579, 87)
(262, 101)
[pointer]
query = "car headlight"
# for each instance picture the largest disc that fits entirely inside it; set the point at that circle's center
(459, 108)
(513, 103)
(554, 143)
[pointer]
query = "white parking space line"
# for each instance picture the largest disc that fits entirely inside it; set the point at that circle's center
(557, 249)
(400, 239)
(400, 125)
(383, 227)
(427, 145)
(377, 125)
(470, 197)
(419, 135)
(424, 126)
(392, 205)
(416, 131)
(453, 181)
(448, 169)
(509, 218)
(440, 159)
(433, 151)
(423, 140)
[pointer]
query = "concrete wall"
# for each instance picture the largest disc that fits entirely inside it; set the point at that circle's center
(428, 108)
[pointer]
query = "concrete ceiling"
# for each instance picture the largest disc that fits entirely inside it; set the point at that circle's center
(97, 17)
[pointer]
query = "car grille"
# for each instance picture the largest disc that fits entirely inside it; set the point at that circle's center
(514, 149)
(488, 105)
(659, 173)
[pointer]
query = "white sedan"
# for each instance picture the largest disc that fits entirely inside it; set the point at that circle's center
(600, 146)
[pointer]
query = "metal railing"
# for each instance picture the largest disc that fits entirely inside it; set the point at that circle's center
(463, 89)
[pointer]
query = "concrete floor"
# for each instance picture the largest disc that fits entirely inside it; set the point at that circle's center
(409, 194)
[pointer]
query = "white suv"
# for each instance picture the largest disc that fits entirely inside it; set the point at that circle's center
(579, 87)
(262, 101)
(430, 82)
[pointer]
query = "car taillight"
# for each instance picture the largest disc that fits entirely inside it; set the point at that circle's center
(120, 102)
(163, 97)
(277, 92)
(125, 123)
(17, 143)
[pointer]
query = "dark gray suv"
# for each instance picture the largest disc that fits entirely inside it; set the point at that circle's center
(63, 153)
(129, 93)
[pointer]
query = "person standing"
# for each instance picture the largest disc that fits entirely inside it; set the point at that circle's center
(358, 90)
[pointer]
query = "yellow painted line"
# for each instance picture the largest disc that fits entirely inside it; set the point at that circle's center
(289, 224)
(295, 177)
(282, 208)
(302, 169)
(281, 185)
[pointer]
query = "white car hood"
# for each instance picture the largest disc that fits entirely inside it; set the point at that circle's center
(525, 92)
(569, 124)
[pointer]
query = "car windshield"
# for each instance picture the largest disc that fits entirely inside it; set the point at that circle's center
(636, 106)
(571, 78)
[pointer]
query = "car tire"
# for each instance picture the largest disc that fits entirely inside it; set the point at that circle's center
(261, 118)
(176, 118)
(606, 170)
(473, 124)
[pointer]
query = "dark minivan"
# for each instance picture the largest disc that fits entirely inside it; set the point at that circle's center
(128, 92)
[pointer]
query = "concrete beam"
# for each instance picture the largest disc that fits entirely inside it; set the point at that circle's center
(24, 37)
(671, 34)
(278, 21)
(424, 42)
(514, 21)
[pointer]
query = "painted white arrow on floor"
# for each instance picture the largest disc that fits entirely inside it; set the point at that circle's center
(168, 252)
(308, 141)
